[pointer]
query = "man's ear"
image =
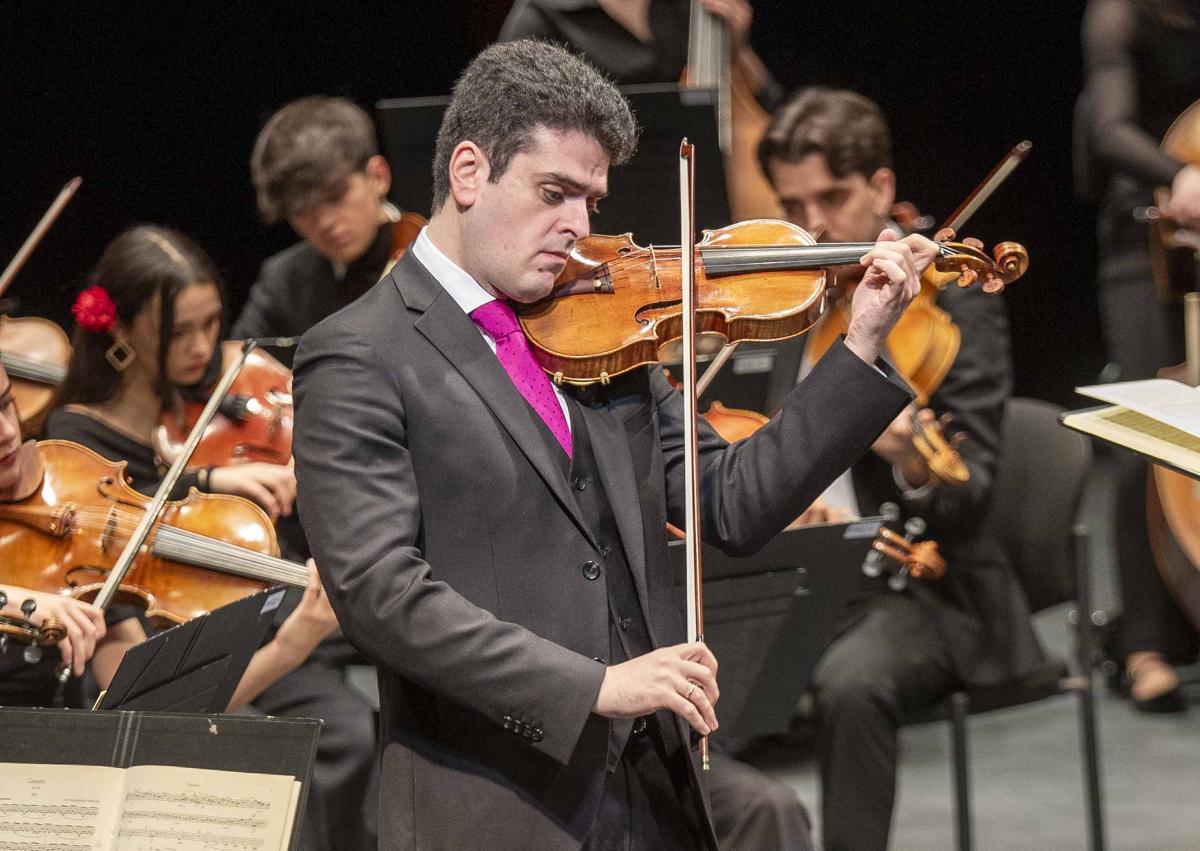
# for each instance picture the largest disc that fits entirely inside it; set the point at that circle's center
(883, 187)
(379, 176)
(469, 171)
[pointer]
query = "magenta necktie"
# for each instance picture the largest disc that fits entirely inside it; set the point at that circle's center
(498, 321)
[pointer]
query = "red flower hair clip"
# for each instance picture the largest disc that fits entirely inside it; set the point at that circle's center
(94, 310)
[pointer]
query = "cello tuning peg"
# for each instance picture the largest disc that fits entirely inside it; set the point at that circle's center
(944, 235)
(973, 243)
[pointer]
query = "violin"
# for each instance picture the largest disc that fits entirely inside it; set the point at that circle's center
(254, 422)
(404, 233)
(616, 303)
(35, 351)
(49, 632)
(203, 552)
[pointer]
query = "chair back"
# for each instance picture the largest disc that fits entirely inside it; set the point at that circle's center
(1035, 498)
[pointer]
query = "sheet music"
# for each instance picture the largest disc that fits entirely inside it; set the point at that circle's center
(144, 808)
(1170, 402)
(58, 807)
(170, 808)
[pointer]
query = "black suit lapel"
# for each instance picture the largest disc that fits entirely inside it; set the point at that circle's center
(454, 334)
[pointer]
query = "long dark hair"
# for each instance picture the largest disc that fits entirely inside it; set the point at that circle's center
(142, 261)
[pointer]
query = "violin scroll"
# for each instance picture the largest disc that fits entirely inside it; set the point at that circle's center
(968, 261)
(49, 632)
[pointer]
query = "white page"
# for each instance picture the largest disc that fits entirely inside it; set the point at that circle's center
(1170, 402)
(196, 808)
(59, 806)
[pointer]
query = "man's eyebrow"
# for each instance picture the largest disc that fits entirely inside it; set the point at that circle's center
(569, 184)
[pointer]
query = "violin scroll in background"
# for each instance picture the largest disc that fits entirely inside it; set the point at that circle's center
(23, 629)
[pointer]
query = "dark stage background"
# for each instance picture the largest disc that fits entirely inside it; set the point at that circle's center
(157, 105)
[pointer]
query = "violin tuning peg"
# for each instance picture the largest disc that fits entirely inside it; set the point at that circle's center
(32, 654)
(3, 599)
(973, 243)
(944, 235)
(29, 607)
(967, 276)
(3, 644)
(993, 285)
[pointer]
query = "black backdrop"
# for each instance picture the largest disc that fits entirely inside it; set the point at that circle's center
(156, 105)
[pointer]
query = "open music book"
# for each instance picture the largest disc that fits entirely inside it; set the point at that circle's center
(145, 807)
(1157, 418)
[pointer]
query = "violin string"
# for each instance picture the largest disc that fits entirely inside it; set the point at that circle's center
(669, 257)
(209, 551)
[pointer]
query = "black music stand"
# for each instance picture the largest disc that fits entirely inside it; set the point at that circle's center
(770, 616)
(643, 194)
(196, 666)
(284, 746)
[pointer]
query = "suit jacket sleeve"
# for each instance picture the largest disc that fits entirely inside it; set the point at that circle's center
(973, 394)
(362, 515)
(753, 489)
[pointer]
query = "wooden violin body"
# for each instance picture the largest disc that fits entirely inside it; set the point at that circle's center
(35, 353)
(255, 423)
(207, 550)
(616, 303)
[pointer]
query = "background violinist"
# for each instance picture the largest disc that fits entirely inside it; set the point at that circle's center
(147, 328)
(828, 155)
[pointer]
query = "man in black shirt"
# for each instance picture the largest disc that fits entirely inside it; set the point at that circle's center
(316, 165)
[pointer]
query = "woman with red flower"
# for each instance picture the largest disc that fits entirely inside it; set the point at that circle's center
(148, 325)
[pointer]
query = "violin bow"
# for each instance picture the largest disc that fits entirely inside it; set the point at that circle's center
(39, 230)
(987, 187)
(691, 484)
(132, 547)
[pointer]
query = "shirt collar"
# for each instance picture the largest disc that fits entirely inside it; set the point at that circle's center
(464, 289)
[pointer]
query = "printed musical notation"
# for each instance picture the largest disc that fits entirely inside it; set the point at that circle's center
(143, 808)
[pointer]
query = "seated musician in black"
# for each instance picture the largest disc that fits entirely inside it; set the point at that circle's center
(102, 637)
(828, 155)
(316, 164)
(148, 326)
(643, 41)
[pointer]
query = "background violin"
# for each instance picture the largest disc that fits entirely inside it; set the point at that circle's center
(205, 551)
(254, 423)
(616, 303)
(35, 353)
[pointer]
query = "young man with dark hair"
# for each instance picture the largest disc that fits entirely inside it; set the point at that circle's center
(316, 165)
(495, 543)
(828, 155)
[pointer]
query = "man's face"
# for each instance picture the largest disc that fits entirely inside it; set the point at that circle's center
(343, 224)
(853, 208)
(518, 231)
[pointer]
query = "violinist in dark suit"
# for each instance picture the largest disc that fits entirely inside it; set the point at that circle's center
(496, 545)
(828, 155)
(316, 165)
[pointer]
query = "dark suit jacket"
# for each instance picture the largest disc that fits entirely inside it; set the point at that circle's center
(296, 289)
(979, 605)
(453, 551)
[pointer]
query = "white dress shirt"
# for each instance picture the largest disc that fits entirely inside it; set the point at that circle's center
(466, 292)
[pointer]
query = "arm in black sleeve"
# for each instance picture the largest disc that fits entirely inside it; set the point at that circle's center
(261, 316)
(973, 394)
(1109, 40)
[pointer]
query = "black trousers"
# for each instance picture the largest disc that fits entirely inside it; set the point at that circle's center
(1142, 335)
(343, 798)
(647, 803)
(889, 659)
